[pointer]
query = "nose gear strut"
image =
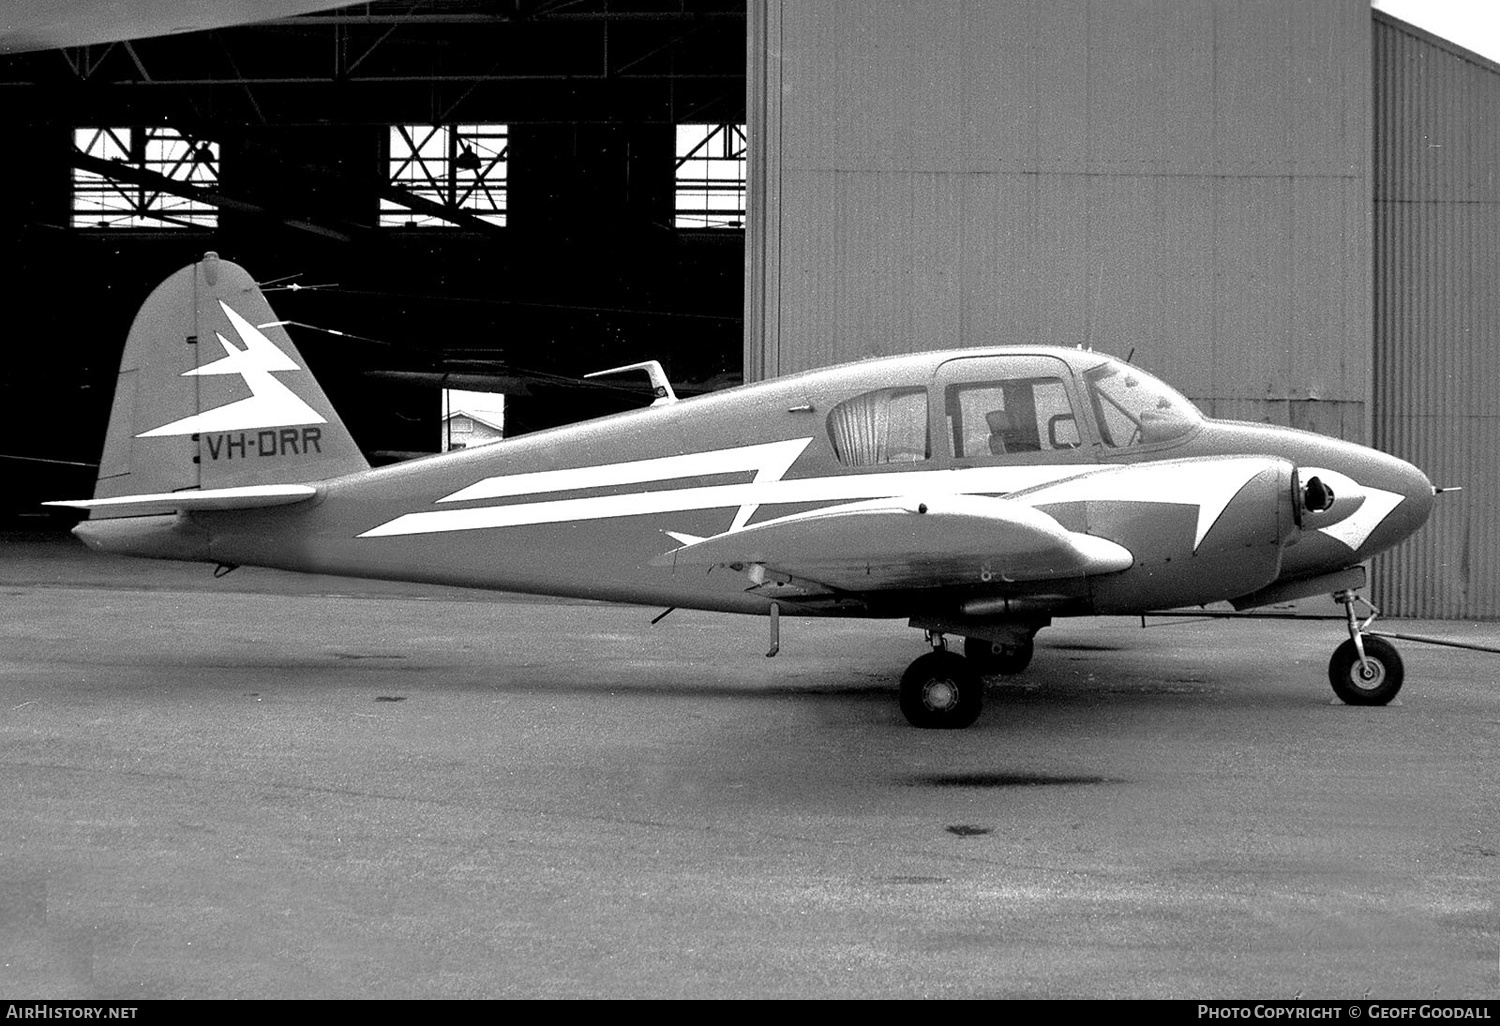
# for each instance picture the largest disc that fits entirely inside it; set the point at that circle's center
(1365, 670)
(1347, 598)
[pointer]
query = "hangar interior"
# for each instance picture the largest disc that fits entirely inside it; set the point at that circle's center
(479, 189)
(1286, 208)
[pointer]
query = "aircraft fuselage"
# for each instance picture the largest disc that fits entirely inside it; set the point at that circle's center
(585, 510)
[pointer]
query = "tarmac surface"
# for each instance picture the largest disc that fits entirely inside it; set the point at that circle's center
(272, 786)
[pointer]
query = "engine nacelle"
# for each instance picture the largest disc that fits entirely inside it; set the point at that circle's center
(1201, 530)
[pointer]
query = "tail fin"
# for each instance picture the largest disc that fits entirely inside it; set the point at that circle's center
(212, 394)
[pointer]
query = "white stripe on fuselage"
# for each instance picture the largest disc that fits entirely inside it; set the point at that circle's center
(765, 489)
(769, 460)
(1210, 488)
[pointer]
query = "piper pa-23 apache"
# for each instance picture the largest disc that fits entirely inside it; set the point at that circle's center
(978, 493)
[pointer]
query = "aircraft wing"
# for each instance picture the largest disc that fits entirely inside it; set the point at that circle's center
(884, 544)
(194, 499)
(54, 24)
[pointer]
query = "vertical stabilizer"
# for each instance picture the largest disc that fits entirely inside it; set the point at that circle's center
(213, 394)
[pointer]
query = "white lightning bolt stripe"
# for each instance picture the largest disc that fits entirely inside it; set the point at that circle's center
(975, 480)
(270, 404)
(770, 460)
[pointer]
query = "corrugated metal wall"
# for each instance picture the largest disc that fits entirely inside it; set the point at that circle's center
(1437, 312)
(1187, 180)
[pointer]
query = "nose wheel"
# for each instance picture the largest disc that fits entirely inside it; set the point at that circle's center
(1365, 670)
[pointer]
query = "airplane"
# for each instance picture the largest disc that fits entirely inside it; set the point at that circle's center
(978, 493)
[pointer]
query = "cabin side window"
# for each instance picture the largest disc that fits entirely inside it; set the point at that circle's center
(1002, 418)
(885, 426)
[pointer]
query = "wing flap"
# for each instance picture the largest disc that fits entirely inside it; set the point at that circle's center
(908, 542)
(193, 500)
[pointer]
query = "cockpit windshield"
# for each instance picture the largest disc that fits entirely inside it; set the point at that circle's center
(1133, 408)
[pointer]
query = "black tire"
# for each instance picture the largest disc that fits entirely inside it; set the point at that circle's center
(941, 691)
(995, 657)
(1349, 680)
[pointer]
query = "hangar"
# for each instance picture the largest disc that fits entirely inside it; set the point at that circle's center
(1287, 208)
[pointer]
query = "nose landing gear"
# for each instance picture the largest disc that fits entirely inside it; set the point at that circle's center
(1365, 670)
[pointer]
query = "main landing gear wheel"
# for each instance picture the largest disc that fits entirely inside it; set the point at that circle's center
(1373, 682)
(996, 657)
(941, 691)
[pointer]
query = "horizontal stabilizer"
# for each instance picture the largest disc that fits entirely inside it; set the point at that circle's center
(907, 542)
(193, 500)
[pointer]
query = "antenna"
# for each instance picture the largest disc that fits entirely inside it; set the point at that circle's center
(660, 386)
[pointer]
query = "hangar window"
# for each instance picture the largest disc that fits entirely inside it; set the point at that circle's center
(100, 202)
(460, 166)
(710, 176)
(885, 426)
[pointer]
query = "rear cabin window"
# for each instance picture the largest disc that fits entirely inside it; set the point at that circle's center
(885, 426)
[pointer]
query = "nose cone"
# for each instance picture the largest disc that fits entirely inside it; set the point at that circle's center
(1399, 502)
(1392, 498)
